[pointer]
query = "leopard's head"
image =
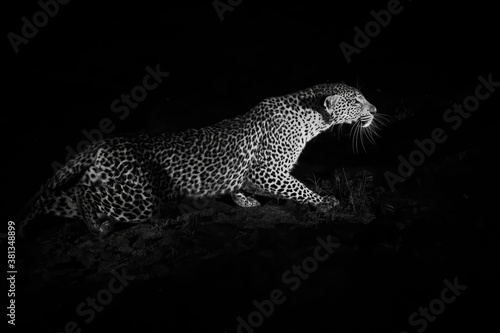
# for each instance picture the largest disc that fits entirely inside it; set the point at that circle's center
(346, 104)
(342, 104)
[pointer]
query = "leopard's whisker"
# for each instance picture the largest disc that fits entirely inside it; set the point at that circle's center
(358, 136)
(366, 134)
(351, 131)
(352, 137)
(369, 134)
(382, 119)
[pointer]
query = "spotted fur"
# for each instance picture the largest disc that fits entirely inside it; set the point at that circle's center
(126, 179)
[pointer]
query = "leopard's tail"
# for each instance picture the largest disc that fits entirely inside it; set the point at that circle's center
(73, 169)
(51, 195)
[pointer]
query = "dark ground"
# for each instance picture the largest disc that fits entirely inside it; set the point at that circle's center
(205, 265)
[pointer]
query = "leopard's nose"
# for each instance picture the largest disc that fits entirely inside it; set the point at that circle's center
(372, 109)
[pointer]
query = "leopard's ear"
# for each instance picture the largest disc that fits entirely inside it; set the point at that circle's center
(328, 112)
(330, 102)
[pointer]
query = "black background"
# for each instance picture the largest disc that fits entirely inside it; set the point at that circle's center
(430, 55)
(65, 79)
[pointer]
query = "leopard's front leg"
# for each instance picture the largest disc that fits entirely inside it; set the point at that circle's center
(282, 185)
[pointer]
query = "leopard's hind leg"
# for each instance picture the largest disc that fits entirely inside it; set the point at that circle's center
(88, 199)
(103, 205)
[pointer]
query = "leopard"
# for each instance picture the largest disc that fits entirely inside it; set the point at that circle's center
(128, 178)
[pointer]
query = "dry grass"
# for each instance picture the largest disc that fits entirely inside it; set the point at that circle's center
(353, 190)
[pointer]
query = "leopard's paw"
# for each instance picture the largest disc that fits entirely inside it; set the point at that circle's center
(328, 203)
(243, 201)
